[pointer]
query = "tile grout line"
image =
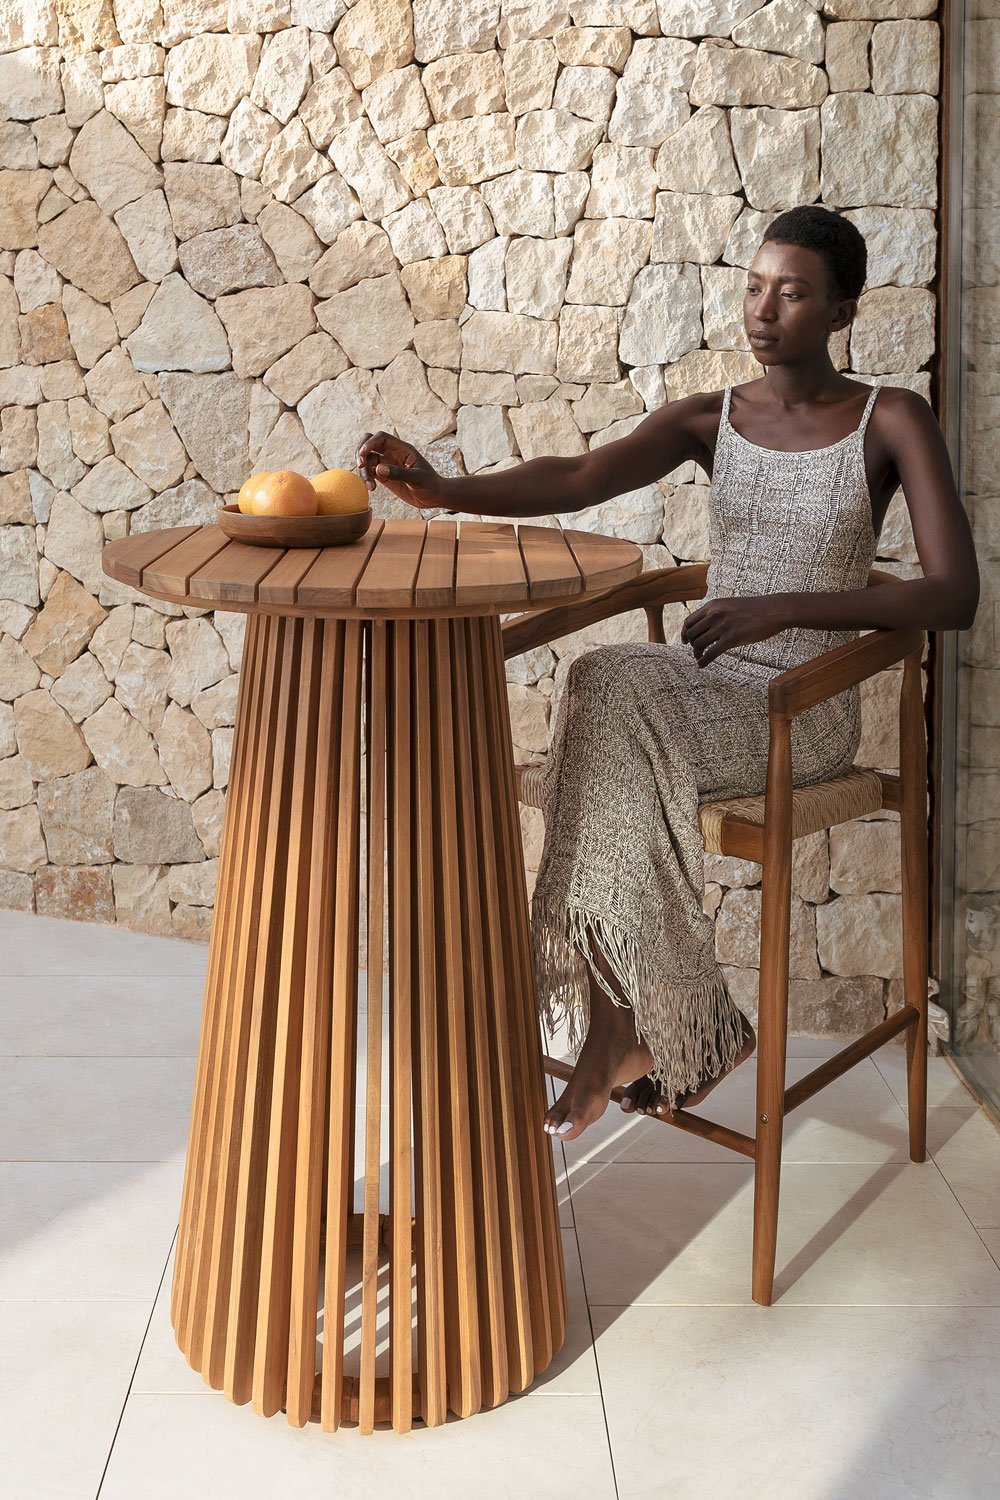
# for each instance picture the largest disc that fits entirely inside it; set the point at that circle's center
(131, 1379)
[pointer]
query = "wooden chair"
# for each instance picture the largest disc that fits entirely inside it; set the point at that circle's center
(762, 828)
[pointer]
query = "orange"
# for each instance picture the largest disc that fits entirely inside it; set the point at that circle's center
(244, 500)
(340, 492)
(281, 493)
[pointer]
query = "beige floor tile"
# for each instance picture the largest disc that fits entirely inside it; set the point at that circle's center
(991, 1239)
(172, 1447)
(810, 1403)
(966, 1146)
(855, 1118)
(61, 1015)
(945, 1088)
(94, 1108)
(88, 1230)
(849, 1234)
(48, 945)
(67, 1367)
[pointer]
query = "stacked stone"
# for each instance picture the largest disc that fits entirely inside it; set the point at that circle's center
(235, 236)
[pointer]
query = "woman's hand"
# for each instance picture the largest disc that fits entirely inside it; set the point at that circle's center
(720, 624)
(401, 468)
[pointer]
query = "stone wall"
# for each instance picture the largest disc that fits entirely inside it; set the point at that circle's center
(234, 236)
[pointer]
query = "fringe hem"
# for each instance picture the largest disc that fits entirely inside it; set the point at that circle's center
(693, 1028)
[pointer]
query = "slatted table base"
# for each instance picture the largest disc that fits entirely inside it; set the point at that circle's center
(470, 1239)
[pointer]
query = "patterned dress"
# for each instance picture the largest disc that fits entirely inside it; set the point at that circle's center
(643, 734)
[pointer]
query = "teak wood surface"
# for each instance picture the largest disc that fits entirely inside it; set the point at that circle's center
(295, 1288)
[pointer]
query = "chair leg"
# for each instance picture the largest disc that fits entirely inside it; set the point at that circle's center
(772, 1011)
(913, 835)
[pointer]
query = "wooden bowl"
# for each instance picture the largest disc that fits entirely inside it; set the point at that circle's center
(294, 531)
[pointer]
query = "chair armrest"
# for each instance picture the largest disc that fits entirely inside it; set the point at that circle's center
(792, 692)
(656, 587)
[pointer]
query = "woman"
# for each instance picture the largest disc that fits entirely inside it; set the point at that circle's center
(803, 464)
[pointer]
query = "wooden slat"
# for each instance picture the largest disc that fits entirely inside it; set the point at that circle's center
(391, 575)
(282, 582)
(435, 583)
(233, 575)
(333, 578)
(603, 560)
(125, 558)
(169, 574)
(549, 563)
(489, 569)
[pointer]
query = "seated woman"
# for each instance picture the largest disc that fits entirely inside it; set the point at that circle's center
(803, 462)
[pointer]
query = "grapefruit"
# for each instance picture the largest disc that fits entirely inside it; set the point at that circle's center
(244, 501)
(281, 493)
(339, 492)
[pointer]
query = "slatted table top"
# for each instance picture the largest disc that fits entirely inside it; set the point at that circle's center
(398, 568)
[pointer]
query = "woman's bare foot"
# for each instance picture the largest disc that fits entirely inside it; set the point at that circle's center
(611, 1054)
(643, 1096)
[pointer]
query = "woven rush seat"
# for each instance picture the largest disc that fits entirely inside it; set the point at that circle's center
(820, 804)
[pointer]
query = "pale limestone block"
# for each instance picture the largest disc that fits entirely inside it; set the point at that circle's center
(211, 72)
(207, 814)
(906, 57)
(330, 207)
(468, 83)
(185, 750)
(441, 27)
(48, 741)
(901, 243)
(150, 824)
(52, 204)
(141, 901)
(191, 503)
(436, 289)
(287, 447)
(607, 254)
(479, 388)
(15, 499)
(537, 387)
(228, 260)
(686, 520)
(265, 409)
(190, 135)
(53, 139)
(636, 515)
(149, 234)
(396, 103)
(648, 383)
(179, 331)
(88, 250)
(35, 282)
(588, 343)
(18, 147)
(463, 215)
(663, 318)
(141, 684)
(554, 140)
(336, 412)
(201, 196)
(318, 357)
(112, 636)
(64, 626)
(231, 627)
(893, 329)
(18, 439)
(697, 18)
(19, 564)
(414, 407)
(76, 815)
(44, 335)
(745, 237)
(193, 884)
(811, 867)
(198, 658)
(524, 19)
(509, 341)
(484, 436)
(879, 150)
(645, 114)
(521, 203)
(623, 182)
(362, 161)
(331, 104)
(415, 160)
(22, 846)
(536, 272)
(211, 415)
(21, 192)
(639, 14)
(148, 444)
(698, 158)
(215, 707)
(291, 240)
(444, 383)
(361, 251)
(692, 226)
(722, 309)
(139, 105)
(291, 165)
(222, 752)
(8, 739)
(791, 27)
(264, 323)
(83, 91)
(18, 673)
(529, 719)
(594, 46)
(61, 380)
(729, 75)
(28, 23)
(283, 73)
(73, 540)
(529, 69)
(847, 66)
(371, 321)
(470, 150)
(865, 856)
(320, 15)
(531, 666)
(415, 233)
(737, 933)
(546, 427)
(778, 155)
(248, 137)
(588, 92)
(878, 10)
(859, 935)
(135, 57)
(374, 37)
(55, 458)
(29, 83)
(89, 430)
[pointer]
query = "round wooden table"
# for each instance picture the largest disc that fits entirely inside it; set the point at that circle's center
(454, 1296)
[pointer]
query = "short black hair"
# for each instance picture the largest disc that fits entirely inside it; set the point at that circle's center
(841, 243)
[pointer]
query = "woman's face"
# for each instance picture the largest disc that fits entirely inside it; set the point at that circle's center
(789, 306)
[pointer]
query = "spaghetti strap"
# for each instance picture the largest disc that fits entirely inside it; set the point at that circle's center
(860, 430)
(725, 404)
